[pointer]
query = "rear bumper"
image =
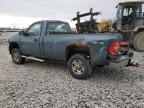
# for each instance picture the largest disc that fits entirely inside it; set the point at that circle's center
(121, 58)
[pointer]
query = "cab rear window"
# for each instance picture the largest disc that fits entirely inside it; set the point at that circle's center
(58, 27)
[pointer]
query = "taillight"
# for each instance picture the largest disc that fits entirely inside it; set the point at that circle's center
(114, 47)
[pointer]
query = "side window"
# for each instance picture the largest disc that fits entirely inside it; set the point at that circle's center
(35, 29)
(58, 27)
(125, 12)
(130, 11)
(142, 8)
(119, 12)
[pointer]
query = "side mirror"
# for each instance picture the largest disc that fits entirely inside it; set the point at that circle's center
(22, 33)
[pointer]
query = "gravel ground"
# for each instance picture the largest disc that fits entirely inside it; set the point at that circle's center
(49, 85)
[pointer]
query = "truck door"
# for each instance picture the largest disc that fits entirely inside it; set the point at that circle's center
(30, 43)
(54, 33)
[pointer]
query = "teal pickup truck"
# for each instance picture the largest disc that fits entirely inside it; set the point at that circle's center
(53, 40)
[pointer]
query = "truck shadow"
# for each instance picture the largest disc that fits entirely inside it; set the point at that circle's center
(109, 73)
(117, 73)
(114, 73)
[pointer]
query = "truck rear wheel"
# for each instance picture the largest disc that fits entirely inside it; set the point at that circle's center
(16, 56)
(79, 67)
(138, 42)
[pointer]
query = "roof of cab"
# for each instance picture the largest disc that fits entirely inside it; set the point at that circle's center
(55, 21)
(131, 1)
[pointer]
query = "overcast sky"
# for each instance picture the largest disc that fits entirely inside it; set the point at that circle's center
(23, 12)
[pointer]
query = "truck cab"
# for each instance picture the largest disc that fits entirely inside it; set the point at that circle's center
(36, 40)
(130, 15)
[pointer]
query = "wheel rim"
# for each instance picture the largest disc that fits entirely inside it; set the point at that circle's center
(77, 67)
(16, 56)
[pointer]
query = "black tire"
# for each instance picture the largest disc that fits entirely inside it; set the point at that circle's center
(138, 42)
(85, 67)
(15, 52)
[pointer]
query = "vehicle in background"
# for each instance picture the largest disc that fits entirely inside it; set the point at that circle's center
(130, 22)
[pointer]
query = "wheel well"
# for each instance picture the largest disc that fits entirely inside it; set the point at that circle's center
(12, 46)
(140, 30)
(71, 50)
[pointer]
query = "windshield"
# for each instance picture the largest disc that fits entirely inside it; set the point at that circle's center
(133, 10)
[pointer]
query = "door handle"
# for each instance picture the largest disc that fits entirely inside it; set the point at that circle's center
(35, 40)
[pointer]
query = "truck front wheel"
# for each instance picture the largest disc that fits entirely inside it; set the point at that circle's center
(16, 56)
(79, 67)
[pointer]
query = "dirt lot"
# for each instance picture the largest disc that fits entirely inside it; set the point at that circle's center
(49, 85)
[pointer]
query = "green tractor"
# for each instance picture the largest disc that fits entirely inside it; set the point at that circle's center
(130, 22)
